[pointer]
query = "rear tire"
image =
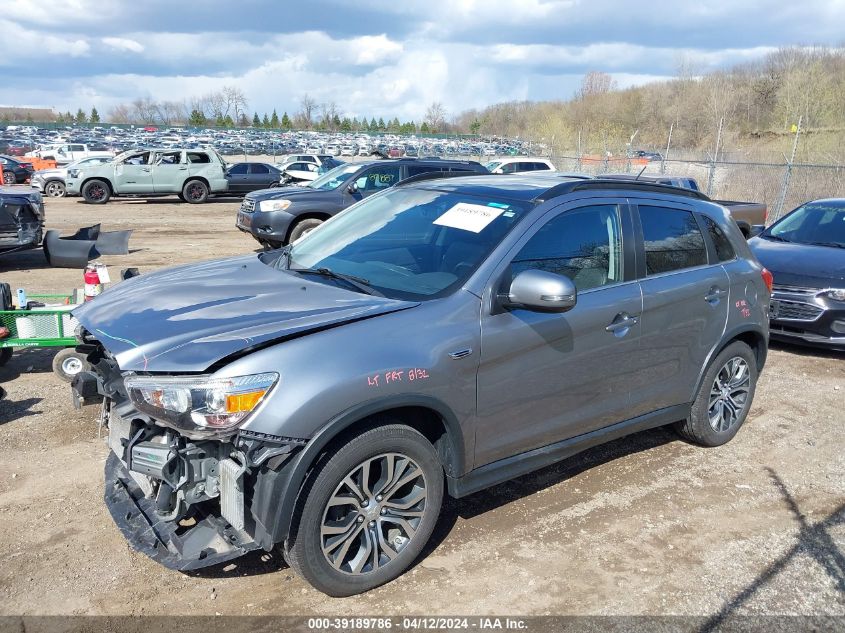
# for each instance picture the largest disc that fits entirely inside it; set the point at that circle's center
(344, 548)
(724, 398)
(9, 178)
(96, 192)
(67, 363)
(302, 227)
(195, 192)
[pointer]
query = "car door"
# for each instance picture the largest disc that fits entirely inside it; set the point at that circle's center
(169, 169)
(544, 377)
(259, 176)
(238, 177)
(134, 174)
(685, 304)
(76, 152)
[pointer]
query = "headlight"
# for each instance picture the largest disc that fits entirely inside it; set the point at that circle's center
(74, 173)
(837, 294)
(273, 205)
(205, 404)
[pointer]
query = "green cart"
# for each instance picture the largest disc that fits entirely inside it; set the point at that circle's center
(50, 326)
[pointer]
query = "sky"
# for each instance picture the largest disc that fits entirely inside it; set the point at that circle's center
(375, 57)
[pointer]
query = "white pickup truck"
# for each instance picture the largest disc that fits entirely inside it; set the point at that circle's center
(69, 152)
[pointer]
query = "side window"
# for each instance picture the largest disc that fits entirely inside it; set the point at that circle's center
(240, 169)
(541, 167)
(198, 157)
(724, 248)
(672, 240)
(258, 168)
(509, 168)
(380, 177)
(137, 159)
(583, 244)
(416, 170)
(77, 148)
(169, 158)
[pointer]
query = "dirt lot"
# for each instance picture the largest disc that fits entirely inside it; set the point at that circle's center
(645, 525)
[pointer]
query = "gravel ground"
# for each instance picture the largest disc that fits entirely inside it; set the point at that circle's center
(644, 525)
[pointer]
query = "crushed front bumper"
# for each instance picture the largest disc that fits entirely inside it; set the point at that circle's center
(209, 541)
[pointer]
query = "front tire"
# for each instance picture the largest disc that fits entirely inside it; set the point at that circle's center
(302, 227)
(96, 192)
(724, 398)
(9, 178)
(55, 189)
(195, 191)
(366, 513)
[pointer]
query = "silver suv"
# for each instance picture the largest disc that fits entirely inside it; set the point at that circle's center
(438, 338)
(191, 174)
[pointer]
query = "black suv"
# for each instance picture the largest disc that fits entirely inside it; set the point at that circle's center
(278, 216)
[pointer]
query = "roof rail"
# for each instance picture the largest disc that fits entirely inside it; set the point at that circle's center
(598, 183)
(437, 175)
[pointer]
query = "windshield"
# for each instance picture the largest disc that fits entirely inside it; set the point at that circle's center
(333, 179)
(409, 243)
(813, 223)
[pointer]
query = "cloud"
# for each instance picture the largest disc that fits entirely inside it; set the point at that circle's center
(123, 44)
(379, 58)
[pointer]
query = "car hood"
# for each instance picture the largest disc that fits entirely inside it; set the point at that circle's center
(46, 173)
(292, 193)
(794, 264)
(186, 319)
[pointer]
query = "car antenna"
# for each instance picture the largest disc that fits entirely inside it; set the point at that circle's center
(641, 172)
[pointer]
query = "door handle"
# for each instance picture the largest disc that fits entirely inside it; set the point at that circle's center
(147, 169)
(621, 323)
(183, 169)
(714, 295)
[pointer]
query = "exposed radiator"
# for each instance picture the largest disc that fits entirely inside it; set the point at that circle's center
(232, 493)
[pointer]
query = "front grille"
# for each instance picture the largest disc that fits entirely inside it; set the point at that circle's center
(248, 206)
(796, 311)
(794, 290)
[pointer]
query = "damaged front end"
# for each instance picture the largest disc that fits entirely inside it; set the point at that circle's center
(21, 220)
(183, 496)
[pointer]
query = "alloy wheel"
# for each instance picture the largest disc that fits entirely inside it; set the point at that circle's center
(729, 394)
(373, 514)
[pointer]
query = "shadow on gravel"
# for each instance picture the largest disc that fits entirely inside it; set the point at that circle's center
(814, 540)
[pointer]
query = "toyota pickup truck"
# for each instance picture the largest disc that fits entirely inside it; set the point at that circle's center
(191, 174)
(746, 214)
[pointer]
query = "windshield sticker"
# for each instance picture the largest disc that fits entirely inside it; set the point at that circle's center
(498, 205)
(469, 217)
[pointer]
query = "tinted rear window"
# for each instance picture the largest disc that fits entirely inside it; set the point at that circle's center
(672, 239)
(724, 248)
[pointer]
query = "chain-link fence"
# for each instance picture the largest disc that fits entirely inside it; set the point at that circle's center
(781, 187)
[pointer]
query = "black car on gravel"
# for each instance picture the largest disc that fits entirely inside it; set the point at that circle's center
(246, 177)
(15, 170)
(278, 216)
(805, 252)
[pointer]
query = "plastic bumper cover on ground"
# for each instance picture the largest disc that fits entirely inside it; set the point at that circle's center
(209, 542)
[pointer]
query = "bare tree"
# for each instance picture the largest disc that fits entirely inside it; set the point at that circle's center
(144, 110)
(307, 105)
(234, 102)
(121, 113)
(596, 83)
(435, 116)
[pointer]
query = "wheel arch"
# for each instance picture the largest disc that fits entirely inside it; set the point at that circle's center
(752, 336)
(275, 502)
(307, 215)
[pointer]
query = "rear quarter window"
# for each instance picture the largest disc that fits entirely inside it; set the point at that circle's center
(724, 248)
(672, 240)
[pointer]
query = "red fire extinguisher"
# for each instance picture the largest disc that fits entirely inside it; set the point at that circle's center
(93, 285)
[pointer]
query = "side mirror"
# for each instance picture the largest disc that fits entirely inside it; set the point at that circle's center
(352, 188)
(542, 290)
(755, 230)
